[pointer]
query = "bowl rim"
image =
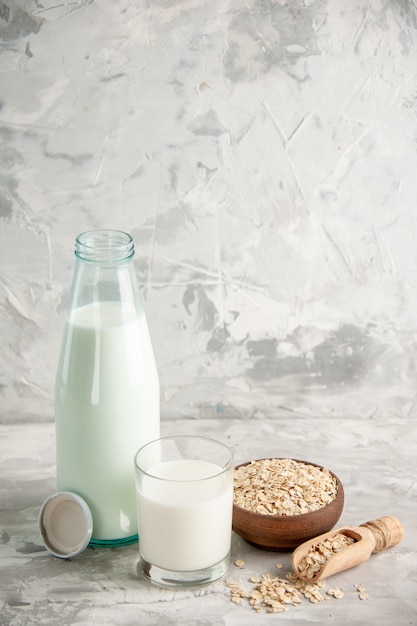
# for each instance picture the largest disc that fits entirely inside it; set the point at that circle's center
(340, 492)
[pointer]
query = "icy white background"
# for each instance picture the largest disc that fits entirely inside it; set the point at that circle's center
(263, 155)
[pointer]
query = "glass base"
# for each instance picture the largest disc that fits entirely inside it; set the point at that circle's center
(113, 543)
(171, 578)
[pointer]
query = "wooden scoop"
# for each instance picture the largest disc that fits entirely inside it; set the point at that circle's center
(369, 538)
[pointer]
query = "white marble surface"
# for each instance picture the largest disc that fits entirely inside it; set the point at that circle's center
(375, 459)
(263, 156)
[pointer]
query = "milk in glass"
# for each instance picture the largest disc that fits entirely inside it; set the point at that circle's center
(185, 518)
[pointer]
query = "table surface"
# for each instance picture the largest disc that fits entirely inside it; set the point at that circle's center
(375, 459)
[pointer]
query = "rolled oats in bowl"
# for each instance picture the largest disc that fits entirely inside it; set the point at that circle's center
(283, 487)
(279, 502)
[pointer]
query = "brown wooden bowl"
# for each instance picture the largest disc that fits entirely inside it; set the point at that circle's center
(283, 533)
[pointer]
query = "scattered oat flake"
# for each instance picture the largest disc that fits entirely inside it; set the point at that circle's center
(239, 563)
(362, 593)
(279, 566)
(274, 594)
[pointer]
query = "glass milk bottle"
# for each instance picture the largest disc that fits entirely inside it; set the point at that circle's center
(107, 387)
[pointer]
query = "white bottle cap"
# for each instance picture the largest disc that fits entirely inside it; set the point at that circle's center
(65, 524)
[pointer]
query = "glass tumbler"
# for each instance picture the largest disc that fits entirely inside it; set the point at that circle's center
(184, 488)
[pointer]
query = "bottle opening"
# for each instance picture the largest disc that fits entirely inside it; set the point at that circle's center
(104, 245)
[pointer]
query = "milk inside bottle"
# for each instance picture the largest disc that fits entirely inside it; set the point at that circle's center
(107, 387)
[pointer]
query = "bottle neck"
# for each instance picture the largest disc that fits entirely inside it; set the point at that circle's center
(104, 246)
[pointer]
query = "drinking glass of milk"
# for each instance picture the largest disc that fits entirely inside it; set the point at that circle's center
(184, 488)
